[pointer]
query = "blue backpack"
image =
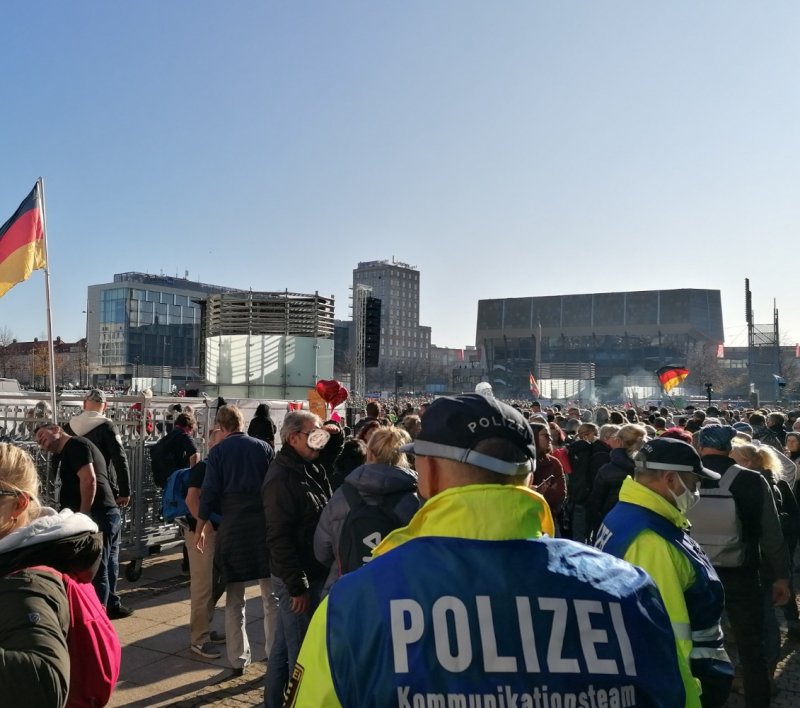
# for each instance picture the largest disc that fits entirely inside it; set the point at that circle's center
(173, 501)
(174, 498)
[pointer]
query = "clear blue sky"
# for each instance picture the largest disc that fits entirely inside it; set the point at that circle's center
(504, 148)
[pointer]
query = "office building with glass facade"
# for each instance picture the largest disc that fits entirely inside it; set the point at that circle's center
(144, 326)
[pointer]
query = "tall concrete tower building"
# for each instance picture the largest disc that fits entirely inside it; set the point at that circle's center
(404, 344)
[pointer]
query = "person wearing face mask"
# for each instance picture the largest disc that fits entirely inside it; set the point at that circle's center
(294, 493)
(648, 527)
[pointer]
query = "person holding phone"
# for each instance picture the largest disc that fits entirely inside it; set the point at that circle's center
(548, 479)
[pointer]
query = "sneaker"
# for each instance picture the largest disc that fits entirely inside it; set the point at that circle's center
(119, 612)
(217, 637)
(207, 650)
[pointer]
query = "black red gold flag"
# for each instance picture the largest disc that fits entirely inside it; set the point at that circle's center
(671, 376)
(22, 242)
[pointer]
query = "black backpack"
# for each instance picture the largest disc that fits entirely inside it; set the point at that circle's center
(364, 527)
(166, 457)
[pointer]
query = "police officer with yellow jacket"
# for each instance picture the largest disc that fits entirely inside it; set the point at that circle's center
(472, 604)
(648, 527)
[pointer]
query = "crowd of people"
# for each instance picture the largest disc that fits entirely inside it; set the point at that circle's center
(462, 551)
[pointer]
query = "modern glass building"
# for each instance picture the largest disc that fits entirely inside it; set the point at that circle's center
(145, 325)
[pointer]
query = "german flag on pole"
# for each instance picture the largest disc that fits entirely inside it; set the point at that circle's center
(671, 376)
(22, 242)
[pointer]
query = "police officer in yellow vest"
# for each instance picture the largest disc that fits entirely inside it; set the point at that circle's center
(648, 527)
(473, 604)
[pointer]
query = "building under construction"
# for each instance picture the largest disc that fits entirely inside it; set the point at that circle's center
(266, 344)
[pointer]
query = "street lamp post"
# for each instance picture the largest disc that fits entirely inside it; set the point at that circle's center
(86, 346)
(709, 390)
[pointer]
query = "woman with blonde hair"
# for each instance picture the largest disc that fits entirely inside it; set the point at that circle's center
(608, 481)
(34, 614)
(385, 481)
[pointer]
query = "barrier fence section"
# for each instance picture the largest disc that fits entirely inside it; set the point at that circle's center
(141, 422)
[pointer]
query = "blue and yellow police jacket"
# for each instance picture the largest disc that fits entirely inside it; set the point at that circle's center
(469, 605)
(648, 531)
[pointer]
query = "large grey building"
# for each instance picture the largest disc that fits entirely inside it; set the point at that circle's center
(597, 336)
(404, 343)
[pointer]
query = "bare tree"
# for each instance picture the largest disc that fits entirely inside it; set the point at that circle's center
(704, 366)
(6, 356)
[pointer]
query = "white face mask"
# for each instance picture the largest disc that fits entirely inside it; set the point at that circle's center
(686, 499)
(318, 438)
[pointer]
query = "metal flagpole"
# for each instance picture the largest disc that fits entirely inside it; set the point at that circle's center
(40, 186)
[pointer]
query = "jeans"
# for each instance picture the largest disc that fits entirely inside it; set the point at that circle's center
(289, 637)
(109, 520)
(744, 604)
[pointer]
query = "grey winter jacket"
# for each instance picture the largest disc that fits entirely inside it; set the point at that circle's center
(374, 482)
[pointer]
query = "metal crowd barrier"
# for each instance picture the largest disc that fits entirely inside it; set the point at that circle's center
(141, 422)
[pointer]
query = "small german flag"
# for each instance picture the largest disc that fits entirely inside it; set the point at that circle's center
(671, 376)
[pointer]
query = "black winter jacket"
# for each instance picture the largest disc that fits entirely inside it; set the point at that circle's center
(607, 483)
(294, 493)
(263, 428)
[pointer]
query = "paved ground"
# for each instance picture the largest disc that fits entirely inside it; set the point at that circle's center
(159, 670)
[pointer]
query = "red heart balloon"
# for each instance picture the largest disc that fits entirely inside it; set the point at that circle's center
(340, 397)
(328, 389)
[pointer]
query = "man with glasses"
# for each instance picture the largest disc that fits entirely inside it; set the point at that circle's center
(294, 493)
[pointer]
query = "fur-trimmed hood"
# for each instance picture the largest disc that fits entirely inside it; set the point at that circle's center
(69, 542)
